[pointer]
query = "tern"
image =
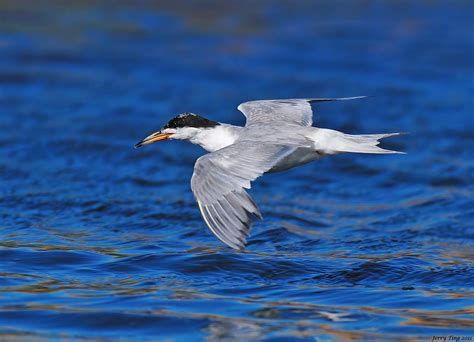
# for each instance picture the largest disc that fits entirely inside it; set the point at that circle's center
(278, 135)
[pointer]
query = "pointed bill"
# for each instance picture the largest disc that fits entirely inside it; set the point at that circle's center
(157, 136)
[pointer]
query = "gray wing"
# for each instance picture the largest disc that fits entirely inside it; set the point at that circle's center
(291, 111)
(219, 182)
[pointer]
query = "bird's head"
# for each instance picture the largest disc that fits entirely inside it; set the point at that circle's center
(185, 126)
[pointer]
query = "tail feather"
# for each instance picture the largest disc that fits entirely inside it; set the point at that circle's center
(367, 143)
(332, 142)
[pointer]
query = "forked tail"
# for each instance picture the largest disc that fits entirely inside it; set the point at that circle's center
(332, 142)
(366, 143)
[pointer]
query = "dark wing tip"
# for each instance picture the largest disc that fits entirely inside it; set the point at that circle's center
(236, 240)
(329, 99)
(230, 218)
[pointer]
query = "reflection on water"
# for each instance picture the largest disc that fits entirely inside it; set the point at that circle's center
(103, 241)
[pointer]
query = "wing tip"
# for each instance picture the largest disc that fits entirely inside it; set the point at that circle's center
(237, 242)
(329, 99)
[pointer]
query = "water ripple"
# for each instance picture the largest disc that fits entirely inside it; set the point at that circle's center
(101, 241)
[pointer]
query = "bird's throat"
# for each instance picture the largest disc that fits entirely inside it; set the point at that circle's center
(215, 138)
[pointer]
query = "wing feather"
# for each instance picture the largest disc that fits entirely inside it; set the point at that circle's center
(291, 111)
(219, 182)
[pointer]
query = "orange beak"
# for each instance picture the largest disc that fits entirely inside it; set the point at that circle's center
(157, 136)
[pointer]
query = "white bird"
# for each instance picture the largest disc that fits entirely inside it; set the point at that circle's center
(277, 136)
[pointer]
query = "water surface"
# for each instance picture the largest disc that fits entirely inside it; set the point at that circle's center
(102, 241)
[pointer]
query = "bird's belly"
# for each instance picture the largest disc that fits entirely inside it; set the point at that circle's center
(299, 157)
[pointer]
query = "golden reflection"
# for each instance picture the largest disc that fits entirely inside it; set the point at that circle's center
(439, 322)
(49, 247)
(344, 335)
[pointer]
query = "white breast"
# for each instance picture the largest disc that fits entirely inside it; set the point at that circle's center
(215, 138)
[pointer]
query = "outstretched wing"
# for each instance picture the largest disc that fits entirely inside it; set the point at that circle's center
(219, 182)
(291, 111)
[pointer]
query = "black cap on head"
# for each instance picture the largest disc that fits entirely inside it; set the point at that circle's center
(190, 120)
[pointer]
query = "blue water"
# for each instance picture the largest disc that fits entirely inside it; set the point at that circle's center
(100, 240)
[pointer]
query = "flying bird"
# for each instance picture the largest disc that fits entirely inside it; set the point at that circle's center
(278, 135)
